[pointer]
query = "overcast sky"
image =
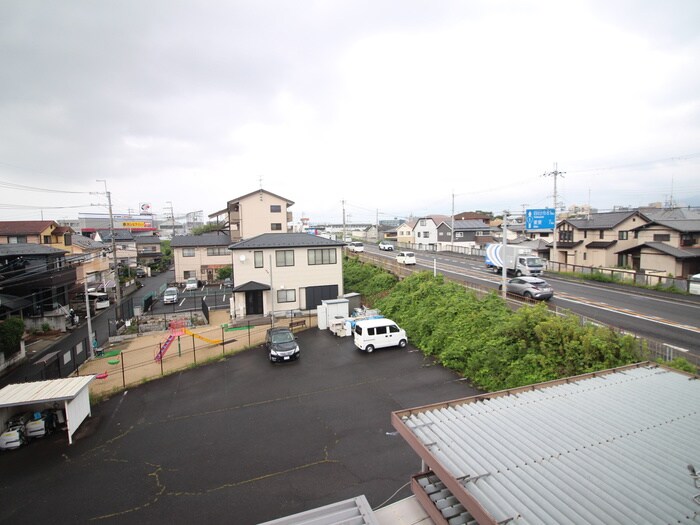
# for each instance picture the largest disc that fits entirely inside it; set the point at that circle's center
(391, 106)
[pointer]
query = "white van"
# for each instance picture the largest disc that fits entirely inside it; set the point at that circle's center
(191, 283)
(378, 333)
(406, 258)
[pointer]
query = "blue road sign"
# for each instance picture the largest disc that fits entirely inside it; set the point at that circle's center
(542, 219)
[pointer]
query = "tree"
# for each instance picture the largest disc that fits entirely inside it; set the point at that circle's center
(11, 332)
(206, 228)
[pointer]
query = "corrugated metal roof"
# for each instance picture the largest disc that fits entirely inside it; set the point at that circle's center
(606, 448)
(355, 511)
(43, 391)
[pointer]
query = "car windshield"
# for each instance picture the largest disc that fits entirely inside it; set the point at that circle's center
(533, 261)
(171, 291)
(282, 337)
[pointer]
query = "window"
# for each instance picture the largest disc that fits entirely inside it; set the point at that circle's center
(585, 234)
(601, 234)
(422, 222)
(622, 235)
(188, 252)
(381, 330)
(393, 329)
(284, 257)
(459, 235)
(322, 256)
(662, 237)
(276, 226)
(585, 256)
(19, 239)
(688, 239)
(275, 208)
(286, 296)
(189, 273)
(258, 256)
(47, 239)
(219, 250)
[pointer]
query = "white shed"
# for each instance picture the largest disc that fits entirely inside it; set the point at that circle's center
(70, 394)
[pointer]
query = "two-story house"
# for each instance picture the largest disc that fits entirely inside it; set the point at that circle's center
(36, 232)
(253, 214)
(124, 243)
(670, 247)
(425, 231)
(280, 272)
(404, 233)
(36, 277)
(466, 232)
(92, 260)
(147, 249)
(597, 240)
(200, 256)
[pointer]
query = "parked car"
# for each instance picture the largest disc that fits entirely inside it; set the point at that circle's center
(141, 272)
(170, 296)
(15, 434)
(281, 345)
(378, 333)
(228, 283)
(191, 284)
(386, 246)
(530, 287)
(356, 247)
(406, 258)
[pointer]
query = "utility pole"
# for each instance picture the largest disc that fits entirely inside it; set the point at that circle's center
(343, 220)
(115, 260)
(452, 227)
(504, 242)
(376, 219)
(556, 173)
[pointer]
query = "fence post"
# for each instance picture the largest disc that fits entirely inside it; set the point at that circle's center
(123, 374)
(194, 350)
(223, 341)
(161, 364)
(248, 334)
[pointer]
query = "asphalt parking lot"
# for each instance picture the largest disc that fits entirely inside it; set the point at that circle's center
(237, 441)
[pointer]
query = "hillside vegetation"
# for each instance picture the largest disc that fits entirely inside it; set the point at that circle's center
(482, 339)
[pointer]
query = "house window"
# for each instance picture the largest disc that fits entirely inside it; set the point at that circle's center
(19, 239)
(322, 256)
(275, 208)
(622, 235)
(585, 256)
(47, 239)
(219, 250)
(566, 235)
(285, 257)
(276, 226)
(258, 256)
(601, 234)
(688, 239)
(585, 234)
(188, 252)
(286, 296)
(189, 273)
(422, 222)
(662, 237)
(459, 235)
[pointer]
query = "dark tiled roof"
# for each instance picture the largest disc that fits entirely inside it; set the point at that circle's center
(147, 239)
(662, 247)
(289, 203)
(206, 239)
(87, 243)
(597, 245)
(119, 235)
(285, 240)
(251, 286)
(679, 225)
(602, 221)
(28, 249)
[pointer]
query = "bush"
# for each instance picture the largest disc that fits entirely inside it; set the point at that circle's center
(11, 332)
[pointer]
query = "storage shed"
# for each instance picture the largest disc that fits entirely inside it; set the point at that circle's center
(70, 395)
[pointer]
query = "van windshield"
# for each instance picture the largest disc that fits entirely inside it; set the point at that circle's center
(533, 261)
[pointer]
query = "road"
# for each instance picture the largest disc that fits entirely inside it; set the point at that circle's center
(671, 318)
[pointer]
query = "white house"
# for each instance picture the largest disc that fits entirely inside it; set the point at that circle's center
(279, 272)
(425, 231)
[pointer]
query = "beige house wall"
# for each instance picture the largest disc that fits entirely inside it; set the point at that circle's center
(195, 264)
(604, 257)
(297, 277)
(404, 234)
(254, 216)
(651, 260)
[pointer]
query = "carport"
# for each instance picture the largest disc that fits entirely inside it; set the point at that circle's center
(70, 394)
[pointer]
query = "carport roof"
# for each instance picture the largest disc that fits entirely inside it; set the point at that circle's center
(608, 447)
(355, 511)
(43, 391)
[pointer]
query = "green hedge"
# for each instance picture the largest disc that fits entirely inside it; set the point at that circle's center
(482, 339)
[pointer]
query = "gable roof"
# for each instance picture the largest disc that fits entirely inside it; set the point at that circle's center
(662, 247)
(119, 235)
(87, 243)
(147, 239)
(679, 225)
(472, 224)
(602, 221)
(608, 447)
(206, 239)
(237, 199)
(24, 227)
(284, 240)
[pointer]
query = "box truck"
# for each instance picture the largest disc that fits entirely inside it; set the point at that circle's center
(518, 260)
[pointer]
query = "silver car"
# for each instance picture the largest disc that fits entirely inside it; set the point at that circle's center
(530, 287)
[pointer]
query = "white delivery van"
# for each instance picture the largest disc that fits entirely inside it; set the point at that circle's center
(406, 258)
(191, 283)
(378, 333)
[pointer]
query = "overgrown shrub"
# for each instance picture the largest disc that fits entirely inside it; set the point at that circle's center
(11, 332)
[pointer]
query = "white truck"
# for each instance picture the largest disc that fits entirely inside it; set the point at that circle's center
(518, 260)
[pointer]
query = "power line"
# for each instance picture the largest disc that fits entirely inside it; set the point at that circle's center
(13, 186)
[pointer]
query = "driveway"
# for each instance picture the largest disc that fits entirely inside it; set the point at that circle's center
(237, 441)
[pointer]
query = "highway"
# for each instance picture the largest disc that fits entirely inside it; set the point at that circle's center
(671, 319)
